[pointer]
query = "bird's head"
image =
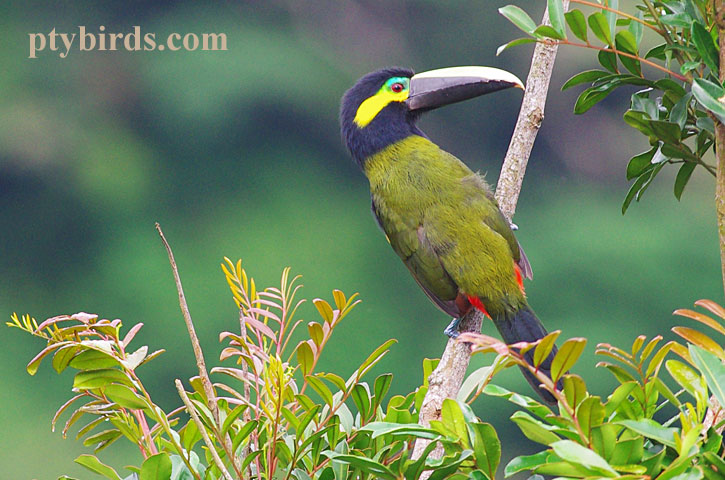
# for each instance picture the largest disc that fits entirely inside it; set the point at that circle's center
(383, 106)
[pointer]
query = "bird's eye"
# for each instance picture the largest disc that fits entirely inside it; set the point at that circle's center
(397, 87)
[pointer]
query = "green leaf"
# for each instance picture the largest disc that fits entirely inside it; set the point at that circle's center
(125, 397)
(518, 17)
(92, 359)
(33, 365)
(514, 43)
(544, 348)
(231, 418)
(365, 464)
(534, 429)
(381, 387)
(63, 356)
(243, 433)
(590, 97)
(325, 310)
(567, 356)
(577, 24)
(687, 378)
(320, 388)
(305, 357)
(705, 47)
(628, 451)
(679, 20)
(712, 369)
(375, 357)
(452, 418)
(668, 132)
(526, 462)
(156, 467)
(361, 397)
(678, 113)
(683, 176)
(709, 95)
(587, 76)
(590, 414)
(635, 189)
(640, 121)
(573, 452)
(626, 42)
(600, 27)
(316, 333)
(546, 31)
(556, 17)
(618, 396)
(93, 464)
(651, 429)
(657, 52)
(636, 29)
(486, 448)
(403, 429)
(639, 163)
(88, 379)
(608, 60)
(575, 390)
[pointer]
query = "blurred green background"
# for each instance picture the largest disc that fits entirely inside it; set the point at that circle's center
(238, 154)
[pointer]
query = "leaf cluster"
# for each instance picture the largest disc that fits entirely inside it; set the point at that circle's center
(677, 98)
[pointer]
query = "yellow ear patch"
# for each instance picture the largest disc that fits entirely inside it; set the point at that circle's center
(370, 108)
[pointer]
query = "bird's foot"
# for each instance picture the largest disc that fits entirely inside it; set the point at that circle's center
(452, 329)
(514, 227)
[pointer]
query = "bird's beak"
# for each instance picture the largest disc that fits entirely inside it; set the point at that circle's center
(435, 88)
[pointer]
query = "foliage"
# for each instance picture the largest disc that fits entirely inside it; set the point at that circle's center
(675, 105)
(621, 437)
(286, 420)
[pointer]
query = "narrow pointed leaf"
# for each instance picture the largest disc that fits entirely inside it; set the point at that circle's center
(712, 369)
(705, 47)
(556, 16)
(683, 176)
(600, 27)
(518, 17)
(710, 96)
(567, 356)
(93, 464)
(577, 24)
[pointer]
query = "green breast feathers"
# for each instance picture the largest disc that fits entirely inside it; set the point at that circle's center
(443, 221)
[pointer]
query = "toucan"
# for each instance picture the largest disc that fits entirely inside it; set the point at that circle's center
(440, 217)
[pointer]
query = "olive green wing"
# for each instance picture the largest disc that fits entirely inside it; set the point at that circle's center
(412, 246)
(478, 191)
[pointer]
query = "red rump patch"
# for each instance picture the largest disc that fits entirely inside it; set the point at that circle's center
(476, 302)
(519, 277)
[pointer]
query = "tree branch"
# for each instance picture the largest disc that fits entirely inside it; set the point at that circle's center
(446, 380)
(527, 125)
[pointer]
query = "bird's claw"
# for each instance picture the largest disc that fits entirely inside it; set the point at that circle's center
(514, 227)
(452, 329)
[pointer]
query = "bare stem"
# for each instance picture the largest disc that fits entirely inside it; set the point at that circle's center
(198, 353)
(202, 429)
(720, 141)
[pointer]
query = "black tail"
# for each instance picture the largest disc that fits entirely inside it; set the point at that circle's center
(523, 326)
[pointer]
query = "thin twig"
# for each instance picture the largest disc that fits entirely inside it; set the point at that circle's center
(527, 126)
(652, 64)
(202, 429)
(211, 398)
(600, 6)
